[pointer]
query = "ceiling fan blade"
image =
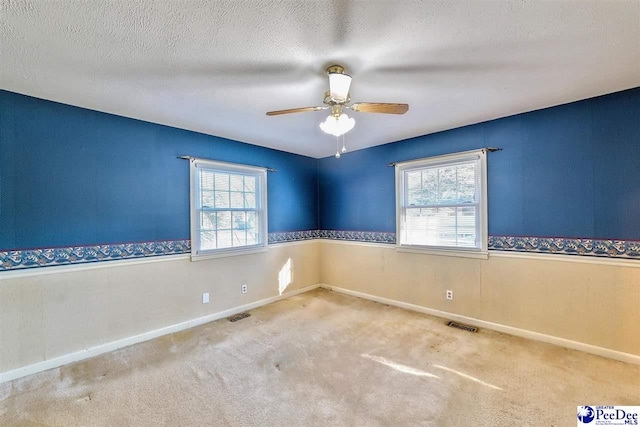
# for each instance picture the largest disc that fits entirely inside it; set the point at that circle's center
(380, 107)
(295, 110)
(341, 22)
(441, 67)
(201, 74)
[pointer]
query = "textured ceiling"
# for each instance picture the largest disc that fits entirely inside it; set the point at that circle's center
(217, 66)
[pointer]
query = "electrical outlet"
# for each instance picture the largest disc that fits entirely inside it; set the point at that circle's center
(205, 298)
(244, 288)
(449, 295)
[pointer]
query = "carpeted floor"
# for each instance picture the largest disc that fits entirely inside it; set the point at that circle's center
(324, 359)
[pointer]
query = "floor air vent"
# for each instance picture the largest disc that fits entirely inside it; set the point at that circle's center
(463, 327)
(238, 316)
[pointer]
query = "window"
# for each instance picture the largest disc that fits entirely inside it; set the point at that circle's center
(441, 203)
(228, 208)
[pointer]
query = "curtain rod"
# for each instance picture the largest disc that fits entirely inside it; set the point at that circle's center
(211, 160)
(487, 149)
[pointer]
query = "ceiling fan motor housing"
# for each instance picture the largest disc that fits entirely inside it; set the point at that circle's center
(334, 103)
(335, 69)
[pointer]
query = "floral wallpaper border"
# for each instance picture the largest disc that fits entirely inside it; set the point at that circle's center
(629, 249)
(359, 236)
(293, 236)
(32, 258)
(20, 259)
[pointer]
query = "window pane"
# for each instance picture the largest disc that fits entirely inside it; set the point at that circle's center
(237, 200)
(206, 199)
(448, 185)
(466, 184)
(454, 226)
(253, 228)
(252, 236)
(447, 189)
(430, 186)
(414, 187)
(442, 228)
(208, 240)
(222, 182)
(208, 220)
(416, 227)
(224, 220)
(206, 180)
(414, 197)
(252, 220)
(238, 220)
(224, 239)
(239, 237)
(414, 181)
(237, 182)
(222, 199)
(466, 231)
(250, 184)
(431, 226)
(250, 200)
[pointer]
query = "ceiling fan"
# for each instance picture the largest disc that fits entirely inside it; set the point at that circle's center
(337, 99)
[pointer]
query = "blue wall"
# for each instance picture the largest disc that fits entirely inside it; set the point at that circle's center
(566, 171)
(71, 176)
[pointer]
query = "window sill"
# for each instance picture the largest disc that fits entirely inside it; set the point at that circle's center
(443, 252)
(229, 253)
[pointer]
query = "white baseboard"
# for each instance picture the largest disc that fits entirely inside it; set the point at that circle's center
(575, 345)
(125, 342)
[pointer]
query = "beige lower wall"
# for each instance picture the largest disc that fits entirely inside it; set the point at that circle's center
(47, 314)
(591, 303)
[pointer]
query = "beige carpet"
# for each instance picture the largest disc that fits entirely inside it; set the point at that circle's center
(324, 359)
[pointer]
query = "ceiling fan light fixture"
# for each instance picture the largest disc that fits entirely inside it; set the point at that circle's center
(339, 85)
(337, 126)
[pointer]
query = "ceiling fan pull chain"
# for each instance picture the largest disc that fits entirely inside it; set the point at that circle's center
(344, 148)
(337, 150)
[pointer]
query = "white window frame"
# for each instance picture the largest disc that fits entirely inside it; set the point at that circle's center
(481, 222)
(261, 200)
